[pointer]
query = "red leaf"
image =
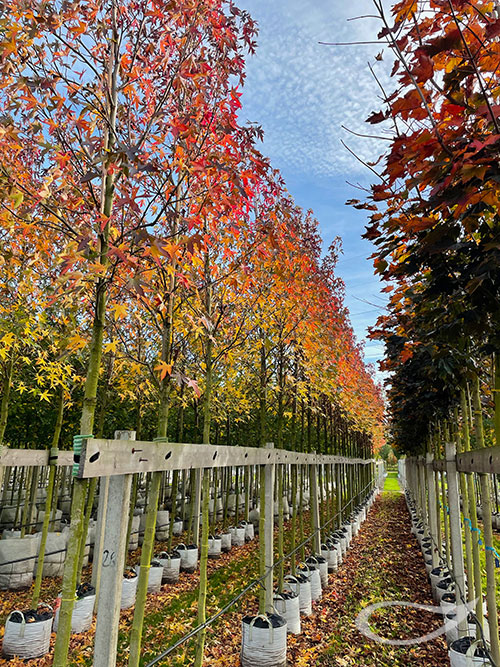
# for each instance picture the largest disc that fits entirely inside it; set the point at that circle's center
(424, 70)
(445, 43)
(492, 30)
(376, 117)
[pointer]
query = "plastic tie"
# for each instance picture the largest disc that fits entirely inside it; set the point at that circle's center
(468, 522)
(495, 553)
(479, 540)
(77, 450)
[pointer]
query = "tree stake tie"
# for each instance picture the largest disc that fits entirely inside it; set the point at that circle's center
(479, 540)
(468, 522)
(495, 553)
(77, 450)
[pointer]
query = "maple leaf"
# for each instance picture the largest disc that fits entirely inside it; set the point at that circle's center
(111, 347)
(194, 386)
(163, 368)
(120, 310)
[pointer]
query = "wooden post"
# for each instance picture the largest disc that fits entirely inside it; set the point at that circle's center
(432, 510)
(313, 477)
(99, 533)
(422, 499)
(457, 553)
(269, 531)
(113, 550)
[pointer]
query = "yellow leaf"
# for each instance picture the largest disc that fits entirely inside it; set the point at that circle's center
(163, 368)
(120, 310)
(111, 347)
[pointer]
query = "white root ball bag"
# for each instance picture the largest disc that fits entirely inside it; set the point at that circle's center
(18, 574)
(55, 554)
(171, 566)
(189, 557)
(467, 652)
(129, 590)
(27, 634)
(302, 586)
(134, 533)
(287, 605)
(162, 525)
(155, 576)
(81, 619)
(226, 542)
(263, 641)
(178, 527)
(214, 546)
(237, 536)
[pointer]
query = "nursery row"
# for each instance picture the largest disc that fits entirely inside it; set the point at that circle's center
(456, 548)
(329, 493)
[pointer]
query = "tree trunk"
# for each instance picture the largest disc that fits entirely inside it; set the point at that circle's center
(95, 353)
(49, 500)
(6, 387)
(485, 489)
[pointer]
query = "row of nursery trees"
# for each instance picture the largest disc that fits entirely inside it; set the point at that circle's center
(155, 273)
(436, 228)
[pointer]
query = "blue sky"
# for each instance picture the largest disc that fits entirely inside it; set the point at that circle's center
(301, 93)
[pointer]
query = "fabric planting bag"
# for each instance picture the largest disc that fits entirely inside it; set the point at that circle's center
(286, 604)
(263, 641)
(17, 561)
(300, 585)
(27, 633)
(162, 525)
(171, 564)
(55, 554)
(226, 542)
(189, 557)
(214, 546)
(83, 610)
(155, 576)
(129, 589)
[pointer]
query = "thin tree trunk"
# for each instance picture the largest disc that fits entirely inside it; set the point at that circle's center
(485, 488)
(281, 569)
(207, 396)
(49, 500)
(478, 592)
(94, 364)
(6, 387)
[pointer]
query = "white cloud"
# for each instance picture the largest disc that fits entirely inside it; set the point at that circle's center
(301, 92)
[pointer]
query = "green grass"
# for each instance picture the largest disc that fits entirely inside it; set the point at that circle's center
(391, 483)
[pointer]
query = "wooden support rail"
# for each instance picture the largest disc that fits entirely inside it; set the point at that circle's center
(32, 457)
(485, 460)
(118, 457)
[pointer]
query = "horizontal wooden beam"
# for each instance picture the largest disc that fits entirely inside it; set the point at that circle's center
(485, 460)
(439, 465)
(32, 457)
(102, 458)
